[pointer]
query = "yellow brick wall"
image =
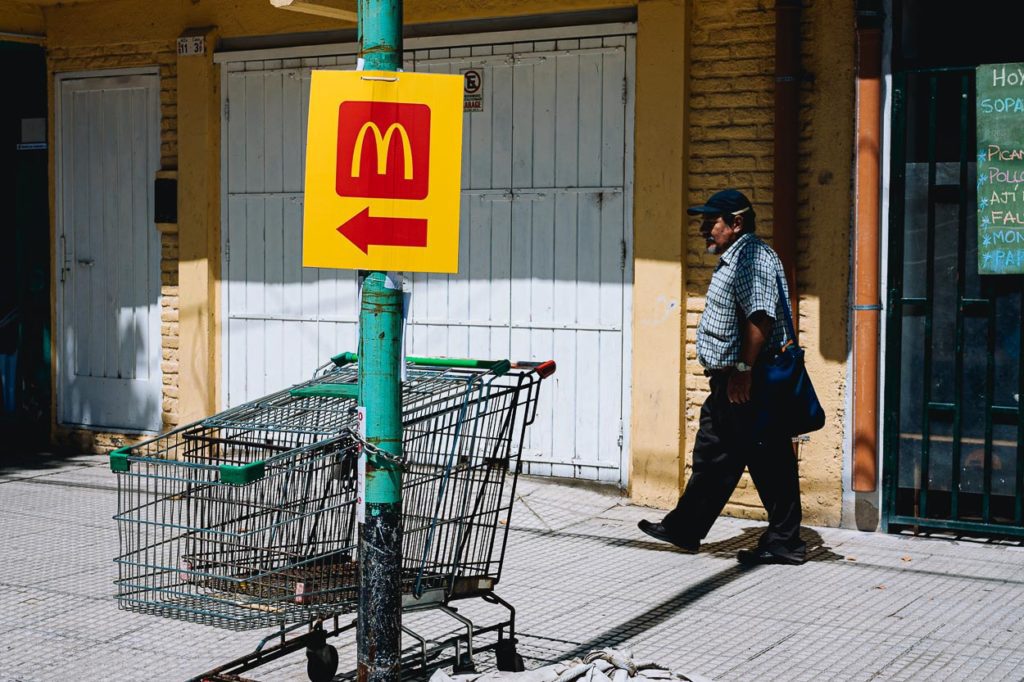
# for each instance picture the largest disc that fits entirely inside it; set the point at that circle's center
(21, 17)
(731, 145)
(159, 54)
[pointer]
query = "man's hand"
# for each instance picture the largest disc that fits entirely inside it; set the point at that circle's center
(738, 388)
(757, 329)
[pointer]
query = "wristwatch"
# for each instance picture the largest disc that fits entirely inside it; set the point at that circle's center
(743, 367)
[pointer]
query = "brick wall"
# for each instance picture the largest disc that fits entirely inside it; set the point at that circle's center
(122, 56)
(169, 332)
(731, 145)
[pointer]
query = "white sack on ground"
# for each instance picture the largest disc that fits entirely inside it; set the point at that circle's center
(606, 665)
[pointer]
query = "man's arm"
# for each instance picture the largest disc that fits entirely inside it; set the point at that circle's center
(755, 330)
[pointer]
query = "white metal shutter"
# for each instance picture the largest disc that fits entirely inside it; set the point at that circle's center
(545, 249)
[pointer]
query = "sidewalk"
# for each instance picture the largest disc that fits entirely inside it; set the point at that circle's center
(581, 576)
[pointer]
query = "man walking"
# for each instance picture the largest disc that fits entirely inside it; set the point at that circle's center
(741, 324)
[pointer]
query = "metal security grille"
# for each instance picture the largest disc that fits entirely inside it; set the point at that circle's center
(954, 455)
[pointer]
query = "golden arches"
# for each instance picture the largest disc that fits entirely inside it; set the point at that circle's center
(383, 146)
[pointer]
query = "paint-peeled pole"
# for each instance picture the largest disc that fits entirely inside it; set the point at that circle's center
(606, 665)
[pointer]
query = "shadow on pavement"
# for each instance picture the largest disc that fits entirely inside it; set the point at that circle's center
(816, 549)
(615, 636)
(17, 461)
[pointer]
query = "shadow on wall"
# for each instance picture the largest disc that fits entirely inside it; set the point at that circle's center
(733, 146)
(109, 391)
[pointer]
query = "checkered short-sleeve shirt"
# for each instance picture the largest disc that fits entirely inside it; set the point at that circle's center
(743, 283)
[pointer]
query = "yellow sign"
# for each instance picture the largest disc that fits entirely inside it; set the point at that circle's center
(383, 169)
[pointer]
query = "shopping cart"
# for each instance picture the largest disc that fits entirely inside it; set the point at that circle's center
(247, 519)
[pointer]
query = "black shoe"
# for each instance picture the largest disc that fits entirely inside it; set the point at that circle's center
(756, 557)
(659, 532)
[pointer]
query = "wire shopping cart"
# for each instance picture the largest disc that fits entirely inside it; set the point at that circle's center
(248, 518)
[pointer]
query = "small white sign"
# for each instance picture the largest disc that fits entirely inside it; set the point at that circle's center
(361, 468)
(472, 90)
(189, 46)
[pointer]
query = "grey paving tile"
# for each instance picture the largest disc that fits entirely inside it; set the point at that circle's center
(581, 576)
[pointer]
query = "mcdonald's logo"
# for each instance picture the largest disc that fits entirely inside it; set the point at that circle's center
(383, 150)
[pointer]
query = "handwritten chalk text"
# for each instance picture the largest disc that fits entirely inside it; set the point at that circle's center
(1006, 236)
(1003, 105)
(1004, 77)
(1007, 218)
(997, 152)
(999, 175)
(999, 259)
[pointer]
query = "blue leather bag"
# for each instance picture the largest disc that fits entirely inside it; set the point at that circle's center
(784, 399)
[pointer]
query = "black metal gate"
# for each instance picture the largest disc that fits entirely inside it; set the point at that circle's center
(954, 452)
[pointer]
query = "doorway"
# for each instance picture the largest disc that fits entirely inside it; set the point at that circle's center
(25, 252)
(108, 251)
(954, 452)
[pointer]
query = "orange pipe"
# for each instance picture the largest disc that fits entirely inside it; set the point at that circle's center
(867, 309)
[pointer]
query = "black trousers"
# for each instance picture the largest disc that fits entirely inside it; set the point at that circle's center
(724, 446)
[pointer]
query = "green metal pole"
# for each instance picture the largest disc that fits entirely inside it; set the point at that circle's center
(380, 34)
(379, 628)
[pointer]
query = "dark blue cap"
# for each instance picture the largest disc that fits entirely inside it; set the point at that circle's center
(728, 201)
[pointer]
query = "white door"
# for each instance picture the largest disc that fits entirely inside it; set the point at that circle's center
(545, 250)
(108, 252)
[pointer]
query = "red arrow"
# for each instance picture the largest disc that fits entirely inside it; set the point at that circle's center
(364, 231)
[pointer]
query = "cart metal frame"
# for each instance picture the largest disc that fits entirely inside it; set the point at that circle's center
(249, 518)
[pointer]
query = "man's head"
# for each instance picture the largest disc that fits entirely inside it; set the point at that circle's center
(725, 217)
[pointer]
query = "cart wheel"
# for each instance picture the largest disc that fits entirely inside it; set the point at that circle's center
(507, 658)
(321, 663)
(465, 664)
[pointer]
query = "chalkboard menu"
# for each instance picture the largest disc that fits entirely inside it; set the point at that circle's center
(1000, 108)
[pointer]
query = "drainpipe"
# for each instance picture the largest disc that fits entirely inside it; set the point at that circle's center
(787, 119)
(867, 302)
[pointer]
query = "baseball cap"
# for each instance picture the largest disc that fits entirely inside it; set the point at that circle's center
(727, 201)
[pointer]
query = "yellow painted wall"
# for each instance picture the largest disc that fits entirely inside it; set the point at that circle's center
(657, 423)
(18, 17)
(198, 232)
(823, 241)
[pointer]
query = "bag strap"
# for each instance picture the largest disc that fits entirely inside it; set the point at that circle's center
(790, 331)
(785, 307)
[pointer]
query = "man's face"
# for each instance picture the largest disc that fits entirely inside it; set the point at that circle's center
(718, 234)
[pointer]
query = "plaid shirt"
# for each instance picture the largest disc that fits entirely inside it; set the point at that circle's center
(744, 280)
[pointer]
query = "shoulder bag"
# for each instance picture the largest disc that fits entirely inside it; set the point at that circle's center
(784, 399)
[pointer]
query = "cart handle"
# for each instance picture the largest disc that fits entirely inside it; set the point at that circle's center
(499, 367)
(544, 369)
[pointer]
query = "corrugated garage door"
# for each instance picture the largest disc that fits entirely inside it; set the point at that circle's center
(546, 234)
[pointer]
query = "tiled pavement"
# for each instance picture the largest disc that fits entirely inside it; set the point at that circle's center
(867, 606)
